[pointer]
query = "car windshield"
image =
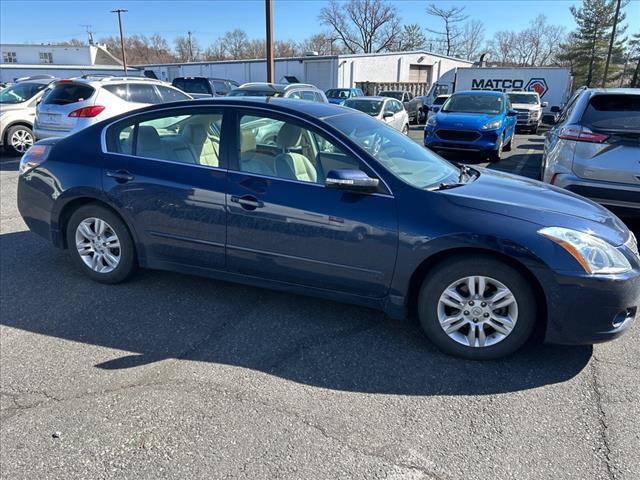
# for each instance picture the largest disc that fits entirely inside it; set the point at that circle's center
(396, 95)
(524, 98)
(338, 93)
(614, 112)
(396, 152)
(20, 92)
(473, 103)
(238, 92)
(439, 100)
(370, 107)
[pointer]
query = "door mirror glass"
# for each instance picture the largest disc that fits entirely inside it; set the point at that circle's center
(555, 109)
(545, 104)
(351, 179)
(387, 115)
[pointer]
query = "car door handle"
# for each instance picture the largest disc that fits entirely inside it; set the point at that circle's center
(120, 176)
(248, 202)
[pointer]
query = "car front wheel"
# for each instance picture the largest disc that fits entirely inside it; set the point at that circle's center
(477, 308)
(19, 139)
(100, 244)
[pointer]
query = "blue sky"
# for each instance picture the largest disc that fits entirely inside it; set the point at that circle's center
(52, 21)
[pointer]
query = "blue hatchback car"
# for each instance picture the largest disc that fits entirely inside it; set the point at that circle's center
(475, 120)
(338, 96)
(323, 200)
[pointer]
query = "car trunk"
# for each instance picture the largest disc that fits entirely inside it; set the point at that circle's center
(65, 98)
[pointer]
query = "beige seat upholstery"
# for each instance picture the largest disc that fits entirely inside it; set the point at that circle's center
(290, 165)
(250, 160)
(205, 149)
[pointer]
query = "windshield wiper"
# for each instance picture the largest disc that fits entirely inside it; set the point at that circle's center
(465, 171)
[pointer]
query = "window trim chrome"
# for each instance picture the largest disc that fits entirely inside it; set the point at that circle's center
(103, 140)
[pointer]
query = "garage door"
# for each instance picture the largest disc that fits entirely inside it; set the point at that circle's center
(319, 73)
(420, 73)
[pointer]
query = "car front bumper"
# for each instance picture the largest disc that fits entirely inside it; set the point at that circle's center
(586, 310)
(486, 141)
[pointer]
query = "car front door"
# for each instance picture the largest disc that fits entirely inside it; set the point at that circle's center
(284, 225)
(166, 172)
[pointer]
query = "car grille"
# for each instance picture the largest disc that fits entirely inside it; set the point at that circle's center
(458, 135)
(523, 114)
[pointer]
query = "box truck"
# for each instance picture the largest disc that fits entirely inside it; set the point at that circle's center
(553, 84)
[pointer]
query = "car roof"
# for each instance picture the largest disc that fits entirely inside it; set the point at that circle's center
(376, 98)
(276, 87)
(105, 80)
(624, 91)
(523, 92)
(492, 93)
(41, 81)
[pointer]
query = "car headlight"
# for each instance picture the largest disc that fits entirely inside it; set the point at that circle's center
(492, 125)
(595, 255)
(432, 122)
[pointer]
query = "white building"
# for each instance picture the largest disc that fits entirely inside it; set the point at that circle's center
(62, 61)
(331, 71)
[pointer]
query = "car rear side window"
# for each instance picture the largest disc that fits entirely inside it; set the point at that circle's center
(143, 94)
(170, 94)
(66, 93)
(220, 87)
(193, 85)
(308, 95)
(614, 111)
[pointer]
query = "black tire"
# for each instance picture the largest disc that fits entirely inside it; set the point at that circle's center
(405, 129)
(128, 262)
(507, 147)
(18, 149)
(495, 155)
(535, 130)
(449, 272)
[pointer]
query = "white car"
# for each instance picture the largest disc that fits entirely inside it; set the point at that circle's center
(79, 102)
(386, 109)
(529, 108)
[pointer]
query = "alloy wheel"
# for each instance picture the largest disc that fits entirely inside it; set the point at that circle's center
(477, 311)
(98, 245)
(21, 140)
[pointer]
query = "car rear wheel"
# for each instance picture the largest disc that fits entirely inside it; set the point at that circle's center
(477, 308)
(100, 244)
(19, 139)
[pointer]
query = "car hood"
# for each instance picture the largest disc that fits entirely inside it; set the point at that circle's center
(525, 106)
(471, 121)
(336, 101)
(538, 203)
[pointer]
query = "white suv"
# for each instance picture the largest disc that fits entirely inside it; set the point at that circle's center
(77, 103)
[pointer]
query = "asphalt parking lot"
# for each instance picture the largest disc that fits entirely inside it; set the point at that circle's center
(171, 376)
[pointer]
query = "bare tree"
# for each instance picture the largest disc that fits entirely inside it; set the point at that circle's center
(74, 42)
(323, 43)
(215, 51)
(367, 26)
(472, 39)
(451, 18)
(412, 38)
(256, 49)
(187, 48)
(285, 48)
(235, 43)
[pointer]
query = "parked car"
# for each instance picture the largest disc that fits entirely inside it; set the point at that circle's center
(411, 103)
(478, 121)
(300, 91)
(436, 105)
(388, 110)
(199, 87)
(77, 103)
(338, 208)
(595, 149)
(339, 95)
(529, 110)
(17, 112)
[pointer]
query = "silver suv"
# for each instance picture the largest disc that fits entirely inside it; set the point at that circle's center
(79, 102)
(594, 150)
(300, 91)
(18, 110)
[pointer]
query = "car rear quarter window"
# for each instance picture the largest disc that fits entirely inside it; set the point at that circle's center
(220, 87)
(66, 93)
(170, 94)
(309, 95)
(614, 111)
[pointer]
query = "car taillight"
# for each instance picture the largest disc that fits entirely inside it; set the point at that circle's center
(91, 111)
(33, 157)
(581, 134)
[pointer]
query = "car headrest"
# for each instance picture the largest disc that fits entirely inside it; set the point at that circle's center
(289, 136)
(247, 141)
(148, 138)
(196, 133)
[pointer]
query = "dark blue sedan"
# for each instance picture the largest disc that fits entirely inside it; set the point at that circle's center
(476, 121)
(322, 200)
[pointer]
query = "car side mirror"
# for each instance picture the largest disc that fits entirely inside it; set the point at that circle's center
(387, 115)
(351, 179)
(545, 104)
(435, 109)
(555, 109)
(512, 113)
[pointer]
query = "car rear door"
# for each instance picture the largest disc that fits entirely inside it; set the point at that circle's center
(166, 171)
(284, 225)
(613, 152)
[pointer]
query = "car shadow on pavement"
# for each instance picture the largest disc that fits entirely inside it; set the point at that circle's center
(160, 315)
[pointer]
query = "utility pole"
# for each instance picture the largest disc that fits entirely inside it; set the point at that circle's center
(190, 58)
(611, 42)
(89, 33)
(269, 41)
(120, 11)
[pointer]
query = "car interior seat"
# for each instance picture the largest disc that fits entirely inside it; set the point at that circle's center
(205, 149)
(291, 165)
